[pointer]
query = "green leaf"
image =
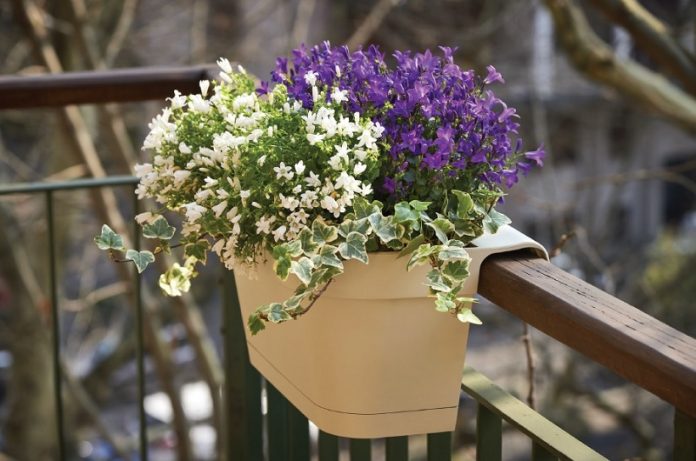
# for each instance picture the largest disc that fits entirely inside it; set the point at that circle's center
(109, 240)
(328, 257)
(421, 255)
(321, 233)
(302, 268)
(412, 245)
(466, 315)
(456, 271)
(363, 208)
(494, 220)
(160, 229)
(307, 242)
(321, 276)
(277, 314)
(198, 250)
(464, 203)
(437, 282)
(361, 226)
(383, 227)
(467, 228)
(255, 323)
(444, 303)
(293, 302)
(141, 259)
(442, 227)
(404, 214)
(354, 247)
(453, 253)
(418, 205)
(281, 266)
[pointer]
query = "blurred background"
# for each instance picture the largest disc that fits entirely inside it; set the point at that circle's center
(608, 86)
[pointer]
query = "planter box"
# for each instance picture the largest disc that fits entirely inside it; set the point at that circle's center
(372, 358)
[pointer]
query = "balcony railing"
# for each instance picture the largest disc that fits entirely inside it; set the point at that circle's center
(610, 332)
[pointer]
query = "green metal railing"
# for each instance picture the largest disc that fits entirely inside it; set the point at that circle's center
(634, 345)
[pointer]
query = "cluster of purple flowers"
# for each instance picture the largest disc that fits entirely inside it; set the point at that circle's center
(443, 128)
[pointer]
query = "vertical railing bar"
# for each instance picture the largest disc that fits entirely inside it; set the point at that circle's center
(489, 435)
(440, 446)
(328, 447)
(55, 323)
(396, 448)
(684, 436)
(140, 345)
(277, 419)
(360, 449)
(298, 432)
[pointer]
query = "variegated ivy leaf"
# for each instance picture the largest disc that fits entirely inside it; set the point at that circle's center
(437, 282)
(418, 205)
(142, 259)
(354, 247)
(294, 302)
(363, 208)
(466, 315)
(321, 277)
(456, 271)
(421, 255)
(442, 227)
(444, 303)
(467, 228)
(306, 239)
(494, 220)
(283, 254)
(198, 250)
(453, 253)
(464, 203)
(361, 226)
(405, 214)
(109, 240)
(328, 257)
(255, 323)
(281, 266)
(384, 227)
(277, 314)
(177, 280)
(412, 245)
(160, 229)
(322, 233)
(302, 268)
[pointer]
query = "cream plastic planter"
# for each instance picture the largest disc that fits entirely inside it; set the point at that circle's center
(372, 358)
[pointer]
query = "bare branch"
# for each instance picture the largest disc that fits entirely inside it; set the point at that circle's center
(118, 37)
(653, 36)
(594, 58)
(371, 23)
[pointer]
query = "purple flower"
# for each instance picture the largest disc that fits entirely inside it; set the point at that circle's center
(536, 155)
(493, 76)
(443, 128)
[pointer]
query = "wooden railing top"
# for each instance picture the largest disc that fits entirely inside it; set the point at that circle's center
(609, 331)
(120, 85)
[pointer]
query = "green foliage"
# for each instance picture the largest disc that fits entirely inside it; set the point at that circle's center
(160, 229)
(109, 240)
(141, 259)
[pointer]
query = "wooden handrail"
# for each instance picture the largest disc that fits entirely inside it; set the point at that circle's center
(120, 85)
(609, 331)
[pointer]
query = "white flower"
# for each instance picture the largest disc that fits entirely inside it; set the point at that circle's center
(263, 225)
(194, 211)
(210, 182)
(336, 162)
(283, 171)
(142, 169)
(289, 203)
(297, 189)
(183, 148)
(345, 181)
(177, 101)
(219, 208)
(203, 195)
(198, 104)
(244, 194)
(338, 95)
(315, 94)
(218, 246)
(308, 199)
(315, 138)
(359, 168)
(366, 189)
(204, 84)
(180, 176)
(241, 69)
(342, 150)
(256, 204)
(329, 204)
(234, 218)
(360, 154)
(313, 180)
(279, 233)
(145, 218)
(299, 167)
(310, 78)
(225, 65)
(261, 160)
(366, 139)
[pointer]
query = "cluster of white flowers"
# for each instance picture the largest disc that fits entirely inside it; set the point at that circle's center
(263, 168)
